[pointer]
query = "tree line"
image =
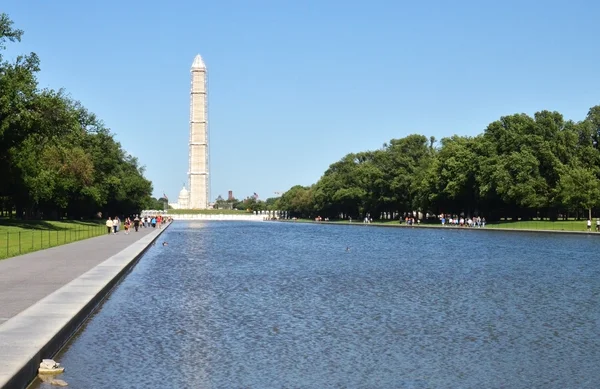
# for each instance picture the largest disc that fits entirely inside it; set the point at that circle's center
(250, 204)
(520, 167)
(57, 159)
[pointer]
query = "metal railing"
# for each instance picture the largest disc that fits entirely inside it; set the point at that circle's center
(21, 242)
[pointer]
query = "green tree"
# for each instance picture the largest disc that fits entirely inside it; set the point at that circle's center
(579, 188)
(56, 158)
(298, 201)
(452, 179)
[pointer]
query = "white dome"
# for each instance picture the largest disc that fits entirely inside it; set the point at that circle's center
(183, 192)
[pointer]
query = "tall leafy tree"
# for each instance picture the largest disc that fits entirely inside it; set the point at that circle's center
(56, 158)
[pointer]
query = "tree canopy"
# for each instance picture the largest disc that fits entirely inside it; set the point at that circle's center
(519, 167)
(57, 159)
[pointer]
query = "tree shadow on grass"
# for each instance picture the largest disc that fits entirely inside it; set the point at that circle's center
(44, 225)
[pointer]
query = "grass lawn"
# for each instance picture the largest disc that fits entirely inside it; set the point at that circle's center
(205, 212)
(24, 236)
(561, 225)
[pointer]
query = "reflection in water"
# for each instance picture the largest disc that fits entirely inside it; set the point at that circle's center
(275, 305)
(196, 224)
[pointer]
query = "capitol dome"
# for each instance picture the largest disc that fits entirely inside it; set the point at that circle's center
(183, 192)
(184, 198)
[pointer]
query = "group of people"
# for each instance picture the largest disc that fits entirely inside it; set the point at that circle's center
(462, 222)
(589, 225)
(113, 225)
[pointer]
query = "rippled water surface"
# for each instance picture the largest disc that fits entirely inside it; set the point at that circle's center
(278, 305)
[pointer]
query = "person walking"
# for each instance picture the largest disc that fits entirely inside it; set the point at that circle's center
(598, 225)
(109, 225)
(127, 225)
(136, 223)
(115, 225)
(589, 225)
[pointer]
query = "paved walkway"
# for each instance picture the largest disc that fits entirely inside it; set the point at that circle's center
(26, 279)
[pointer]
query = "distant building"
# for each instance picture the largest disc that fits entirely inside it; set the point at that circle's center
(183, 201)
(230, 195)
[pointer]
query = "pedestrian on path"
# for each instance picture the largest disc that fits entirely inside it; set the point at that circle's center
(126, 225)
(109, 225)
(136, 223)
(115, 225)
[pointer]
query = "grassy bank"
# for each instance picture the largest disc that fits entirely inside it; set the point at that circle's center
(566, 225)
(541, 225)
(25, 236)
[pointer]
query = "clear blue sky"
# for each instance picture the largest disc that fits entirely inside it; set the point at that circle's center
(296, 85)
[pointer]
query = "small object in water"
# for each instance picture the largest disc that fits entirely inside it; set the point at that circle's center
(49, 366)
(165, 244)
(347, 248)
(59, 383)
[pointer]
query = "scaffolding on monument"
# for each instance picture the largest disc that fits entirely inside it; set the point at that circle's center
(207, 126)
(189, 180)
(205, 173)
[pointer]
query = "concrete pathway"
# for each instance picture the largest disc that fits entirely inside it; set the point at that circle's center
(28, 278)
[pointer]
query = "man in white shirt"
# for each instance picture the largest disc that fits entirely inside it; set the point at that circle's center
(109, 225)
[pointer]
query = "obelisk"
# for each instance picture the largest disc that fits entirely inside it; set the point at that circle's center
(198, 172)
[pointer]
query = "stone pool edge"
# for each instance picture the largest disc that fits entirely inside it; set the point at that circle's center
(41, 330)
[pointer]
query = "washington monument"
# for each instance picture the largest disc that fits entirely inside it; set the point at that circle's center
(198, 171)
